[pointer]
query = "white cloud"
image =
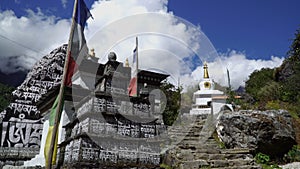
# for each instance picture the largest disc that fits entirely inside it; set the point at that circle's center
(36, 32)
(166, 42)
(238, 65)
(30, 37)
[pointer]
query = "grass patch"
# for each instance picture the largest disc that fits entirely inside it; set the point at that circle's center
(264, 161)
(293, 155)
(216, 138)
(165, 166)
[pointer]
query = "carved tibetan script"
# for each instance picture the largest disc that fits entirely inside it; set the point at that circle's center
(21, 133)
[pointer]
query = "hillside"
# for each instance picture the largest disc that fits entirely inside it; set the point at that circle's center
(5, 96)
(13, 79)
(279, 87)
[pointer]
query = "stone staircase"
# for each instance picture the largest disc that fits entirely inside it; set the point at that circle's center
(194, 146)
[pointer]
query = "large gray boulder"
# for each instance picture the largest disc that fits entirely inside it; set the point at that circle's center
(270, 132)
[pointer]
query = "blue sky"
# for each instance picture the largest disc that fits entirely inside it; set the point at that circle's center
(248, 35)
(260, 28)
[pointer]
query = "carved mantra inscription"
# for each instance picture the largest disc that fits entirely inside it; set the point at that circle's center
(99, 105)
(21, 133)
(115, 152)
(116, 127)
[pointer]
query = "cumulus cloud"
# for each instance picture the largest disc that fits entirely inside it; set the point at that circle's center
(166, 42)
(238, 65)
(114, 27)
(28, 38)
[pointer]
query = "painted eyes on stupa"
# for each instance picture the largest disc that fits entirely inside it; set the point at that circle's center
(207, 85)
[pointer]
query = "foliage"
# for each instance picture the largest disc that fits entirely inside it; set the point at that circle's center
(231, 99)
(273, 104)
(257, 80)
(295, 47)
(278, 88)
(291, 88)
(293, 155)
(5, 96)
(230, 95)
(216, 138)
(205, 167)
(291, 83)
(187, 97)
(173, 95)
(270, 91)
(265, 162)
(262, 158)
(165, 166)
(294, 110)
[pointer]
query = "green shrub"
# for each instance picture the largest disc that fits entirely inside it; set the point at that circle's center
(262, 158)
(265, 162)
(165, 166)
(274, 104)
(216, 138)
(293, 155)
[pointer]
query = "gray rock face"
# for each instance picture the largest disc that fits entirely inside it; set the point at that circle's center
(269, 132)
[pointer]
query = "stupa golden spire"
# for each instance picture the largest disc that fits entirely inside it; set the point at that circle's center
(205, 67)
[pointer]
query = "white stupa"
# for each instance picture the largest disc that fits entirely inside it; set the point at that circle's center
(207, 100)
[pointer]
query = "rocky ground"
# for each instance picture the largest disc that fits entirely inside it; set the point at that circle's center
(295, 165)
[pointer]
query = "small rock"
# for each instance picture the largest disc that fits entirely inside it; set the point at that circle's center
(295, 165)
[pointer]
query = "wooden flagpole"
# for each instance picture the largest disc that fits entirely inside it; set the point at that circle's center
(61, 91)
(137, 66)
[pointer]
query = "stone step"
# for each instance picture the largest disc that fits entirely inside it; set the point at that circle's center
(240, 167)
(236, 151)
(208, 151)
(218, 163)
(238, 156)
(197, 149)
(186, 145)
(178, 131)
(231, 158)
(240, 162)
(177, 135)
(192, 140)
(196, 164)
